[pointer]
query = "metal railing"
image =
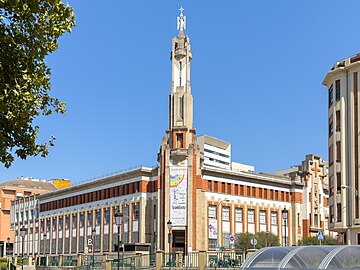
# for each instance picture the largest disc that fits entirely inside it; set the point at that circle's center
(224, 259)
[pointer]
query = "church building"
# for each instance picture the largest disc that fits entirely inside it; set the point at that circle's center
(196, 198)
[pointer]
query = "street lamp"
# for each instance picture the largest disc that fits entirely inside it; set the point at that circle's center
(93, 238)
(169, 224)
(348, 208)
(118, 217)
(22, 234)
(285, 217)
(218, 220)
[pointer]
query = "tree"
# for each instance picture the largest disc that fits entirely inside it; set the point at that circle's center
(242, 241)
(266, 239)
(29, 31)
(313, 241)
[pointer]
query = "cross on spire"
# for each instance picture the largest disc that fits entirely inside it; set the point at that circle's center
(181, 21)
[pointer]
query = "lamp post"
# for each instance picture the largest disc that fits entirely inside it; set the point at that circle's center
(218, 220)
(348, 209)
(285, 217)
(118, 217)
(22, 234)
(93, 238)
(169, 224)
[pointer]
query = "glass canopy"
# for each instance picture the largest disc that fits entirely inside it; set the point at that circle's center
(305, 257)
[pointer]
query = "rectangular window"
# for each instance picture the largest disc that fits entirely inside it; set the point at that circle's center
(67, 221)
(136, 211)
(225, 213)
(82, 220)
(107, 216)
(61, 223)
(54, 224)
(273, 218)
(338, 182)
(331, 96)
(236, 189)
(331, 155)
(212, 211)
(251, 216)
(316, 220)
(216, 186)
(212, 243)
(331, 128)
(298, 219)
(238, 214)
(209, 185)
(223, 187)
(332, 219)
(338, 121)
(262, 217)
(90, 220)
(338, 151)
(98, 218)
(265, 193)
(338, 218)
(337, 90)
(74, 222)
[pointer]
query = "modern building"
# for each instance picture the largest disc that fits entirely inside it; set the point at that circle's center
(196, 196)
(342, 82)
(20, 188)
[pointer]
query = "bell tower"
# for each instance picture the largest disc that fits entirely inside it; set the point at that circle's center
(179, 155)
(180, 100)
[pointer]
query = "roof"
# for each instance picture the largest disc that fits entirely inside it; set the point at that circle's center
(29, 184)
(305, 257)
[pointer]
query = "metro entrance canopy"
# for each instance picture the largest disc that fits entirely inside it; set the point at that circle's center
(305, 257)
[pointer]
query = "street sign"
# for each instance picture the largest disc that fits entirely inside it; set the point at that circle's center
(321, 236)
(90, 242)
(232, 239)
(217, 246)
(86, 250)
(254, 242)
(90, 250)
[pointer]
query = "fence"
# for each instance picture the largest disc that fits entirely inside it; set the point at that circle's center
(161, 260)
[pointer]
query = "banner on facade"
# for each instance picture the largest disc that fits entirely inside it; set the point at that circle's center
(178, 198)
(213, 232)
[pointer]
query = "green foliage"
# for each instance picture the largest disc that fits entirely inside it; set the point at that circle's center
(266, 240)
(29, 31)
(263, 240)
(313, 241)
(3, 263)
(242, 241)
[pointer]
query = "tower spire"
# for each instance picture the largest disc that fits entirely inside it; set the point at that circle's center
(181, 21)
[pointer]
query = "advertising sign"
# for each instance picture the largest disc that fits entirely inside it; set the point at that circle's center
(213, 232)
(178, 197)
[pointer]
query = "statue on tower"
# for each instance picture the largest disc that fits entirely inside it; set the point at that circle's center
(181, 21)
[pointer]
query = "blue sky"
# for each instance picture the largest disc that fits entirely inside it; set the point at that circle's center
(256, 78)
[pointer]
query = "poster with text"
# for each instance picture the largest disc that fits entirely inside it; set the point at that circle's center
(213, 232)
(178, 197)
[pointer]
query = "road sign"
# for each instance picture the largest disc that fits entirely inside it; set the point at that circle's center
(86, 250)
(254, 242)
(217, 246)
(321, 236)
(90, 250)
(90, 242)
(232, 239)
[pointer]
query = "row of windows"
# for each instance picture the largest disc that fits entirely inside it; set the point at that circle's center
(98, 195)
(216, 153)
(90, 221)
(225, 215)
(248, 191)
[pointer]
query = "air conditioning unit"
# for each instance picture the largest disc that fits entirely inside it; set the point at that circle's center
(356, 221)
